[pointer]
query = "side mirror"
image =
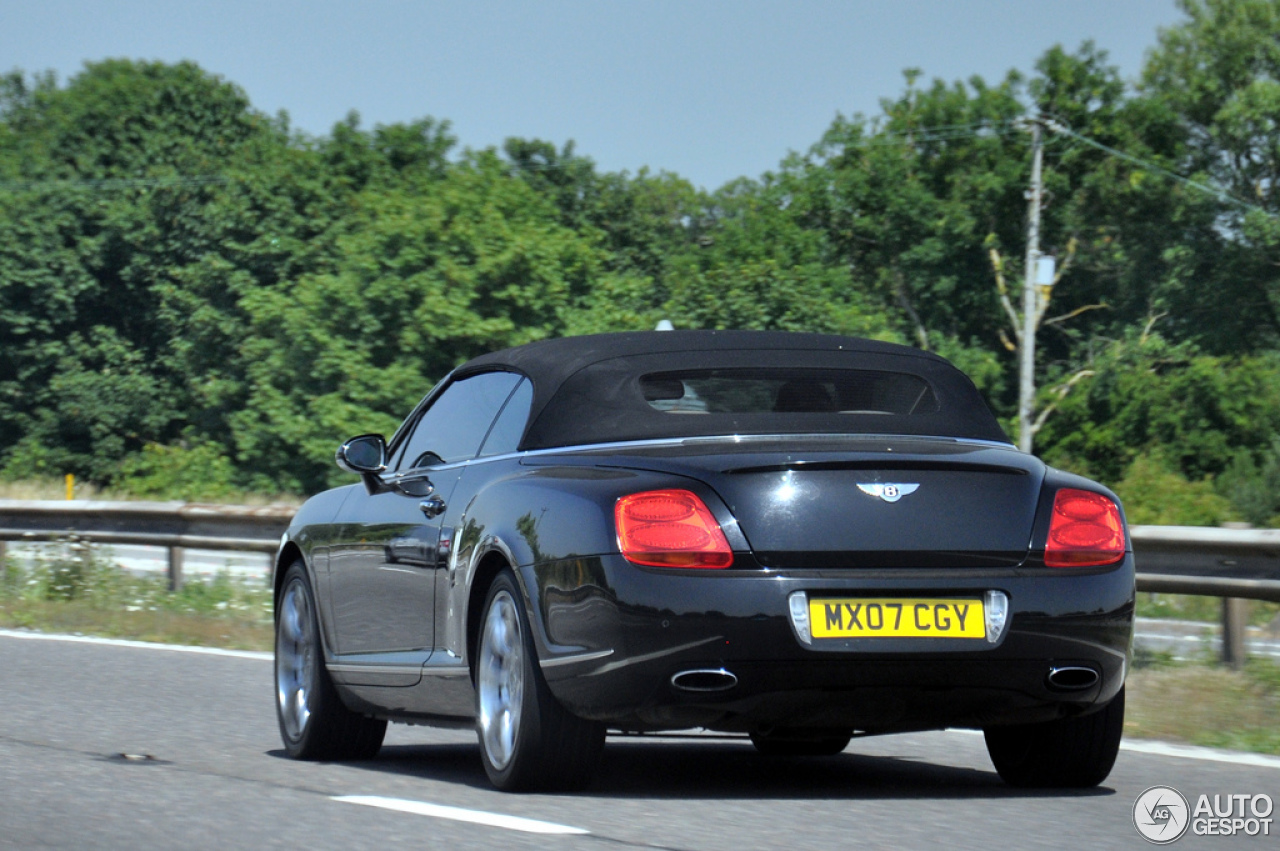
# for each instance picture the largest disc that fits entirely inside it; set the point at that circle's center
(364, 454)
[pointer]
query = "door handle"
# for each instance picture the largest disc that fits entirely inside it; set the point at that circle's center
(432, 507)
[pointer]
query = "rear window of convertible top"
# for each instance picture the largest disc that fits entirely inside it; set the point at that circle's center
(794, 390)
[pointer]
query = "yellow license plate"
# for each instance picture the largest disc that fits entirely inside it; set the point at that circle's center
(896, 618)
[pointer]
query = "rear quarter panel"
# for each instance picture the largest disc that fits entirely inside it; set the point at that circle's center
(551, 524)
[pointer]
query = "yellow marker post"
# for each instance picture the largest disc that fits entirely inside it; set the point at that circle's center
(71, 486)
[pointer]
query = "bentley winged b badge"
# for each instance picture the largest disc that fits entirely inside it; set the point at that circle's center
(888, 492)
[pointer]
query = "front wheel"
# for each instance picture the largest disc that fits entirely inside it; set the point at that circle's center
(528, 741)
(1075, 752)
(314, 723)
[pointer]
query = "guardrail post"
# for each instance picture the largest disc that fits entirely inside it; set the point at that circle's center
(175, 568)
(4, 556)
(1235, 617)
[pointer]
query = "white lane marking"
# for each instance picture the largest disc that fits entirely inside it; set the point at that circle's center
(422, 808)
(1155, 748)
(1192, 752)
(146, 645)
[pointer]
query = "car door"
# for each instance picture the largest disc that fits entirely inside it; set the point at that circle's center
(383, 571)
(451, 590)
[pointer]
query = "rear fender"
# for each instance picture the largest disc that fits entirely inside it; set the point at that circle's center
(539, 518)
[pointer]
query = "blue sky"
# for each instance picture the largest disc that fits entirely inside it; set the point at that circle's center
(709, 89)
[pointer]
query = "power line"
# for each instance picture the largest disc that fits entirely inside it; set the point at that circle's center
(939, 133)
(985, 130)
(1217, 192)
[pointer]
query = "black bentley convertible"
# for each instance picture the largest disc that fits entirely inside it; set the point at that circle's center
(798, 538)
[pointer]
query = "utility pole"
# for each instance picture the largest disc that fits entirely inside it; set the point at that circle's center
(1030, 300)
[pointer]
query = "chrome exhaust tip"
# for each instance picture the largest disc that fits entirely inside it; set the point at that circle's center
(1072, 678)
(704, 680)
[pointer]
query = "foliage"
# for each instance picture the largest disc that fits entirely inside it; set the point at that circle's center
(1217, 75)
(1254, 486)
(191, 472)
(1153, 494)
(425, 279)
(1148, 394)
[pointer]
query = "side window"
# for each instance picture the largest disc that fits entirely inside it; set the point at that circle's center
(452, 428)
(505, 435)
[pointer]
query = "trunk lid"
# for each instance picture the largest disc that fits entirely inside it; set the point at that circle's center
(864, 502)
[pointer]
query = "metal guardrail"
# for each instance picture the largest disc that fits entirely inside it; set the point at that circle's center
(1233, 564)
(1208, 561)
(176, 526)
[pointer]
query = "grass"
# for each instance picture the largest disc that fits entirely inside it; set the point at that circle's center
(1207, 609)
(68, 589)
(1201, 704)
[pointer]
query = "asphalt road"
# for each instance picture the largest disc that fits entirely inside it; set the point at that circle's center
(205, 770)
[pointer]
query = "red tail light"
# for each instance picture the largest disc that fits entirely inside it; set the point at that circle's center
(670, 528)
(1085, 530)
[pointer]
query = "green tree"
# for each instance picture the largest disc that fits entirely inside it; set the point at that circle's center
(102, 179)
(1252, 483)
(1154, 494)
(1149, 396)
(424, 280)
(1218, 74)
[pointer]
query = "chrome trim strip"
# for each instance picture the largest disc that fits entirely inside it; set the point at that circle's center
(557, 661)
(811, 437)
(416, 473)
(726, 438)
(422, 472)
(376, 669)
(423, 670)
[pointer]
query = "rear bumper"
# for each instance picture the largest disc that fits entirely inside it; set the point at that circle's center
(611, 636)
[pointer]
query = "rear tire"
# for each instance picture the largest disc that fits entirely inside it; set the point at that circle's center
(528, 741)
(314, 723)
(1073, 752)
(788, 742)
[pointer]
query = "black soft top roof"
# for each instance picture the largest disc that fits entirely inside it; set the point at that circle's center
(585, 388)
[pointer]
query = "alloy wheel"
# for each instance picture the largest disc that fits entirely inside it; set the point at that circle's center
(500, 679)
(295, 660)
